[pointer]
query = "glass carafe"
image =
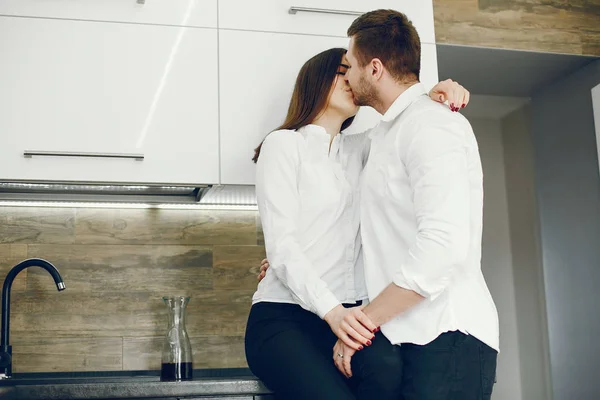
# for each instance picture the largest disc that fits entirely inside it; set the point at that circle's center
(177, 350)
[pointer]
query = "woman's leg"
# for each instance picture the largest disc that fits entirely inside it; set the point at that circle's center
(282, 350)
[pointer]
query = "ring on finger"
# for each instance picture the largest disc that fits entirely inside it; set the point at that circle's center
(340, 355)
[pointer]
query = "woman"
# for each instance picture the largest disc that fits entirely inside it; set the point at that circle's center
(307, 191)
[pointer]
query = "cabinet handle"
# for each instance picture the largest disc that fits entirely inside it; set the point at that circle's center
(294, 10)
(31, 153)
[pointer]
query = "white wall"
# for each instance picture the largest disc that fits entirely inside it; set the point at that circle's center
(497, 257)
(526, 255)
(596, 105)
(568, 196)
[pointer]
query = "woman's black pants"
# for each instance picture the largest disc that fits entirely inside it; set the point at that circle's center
(291, 351)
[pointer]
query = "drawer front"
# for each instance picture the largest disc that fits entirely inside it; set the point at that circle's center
(318, 17)
(254, 103)
(109, 89)
(201, 13)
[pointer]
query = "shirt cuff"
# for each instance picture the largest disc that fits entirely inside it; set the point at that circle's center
(325, 303)
(429, 290)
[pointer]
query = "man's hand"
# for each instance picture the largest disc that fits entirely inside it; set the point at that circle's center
(264, 266)
(351, 326)
(342, 356)
(448, 90)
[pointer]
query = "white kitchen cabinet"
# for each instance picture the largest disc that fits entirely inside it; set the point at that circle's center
(73, 86)
(200, 13)
(596, 106)
(257, 75)
(429, 65)
(319, 17)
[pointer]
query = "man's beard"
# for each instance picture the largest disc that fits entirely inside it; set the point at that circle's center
(365, 94)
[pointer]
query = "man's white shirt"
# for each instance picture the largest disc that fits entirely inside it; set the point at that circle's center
(421, 221)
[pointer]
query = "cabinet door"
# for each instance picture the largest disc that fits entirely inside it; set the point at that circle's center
(257, 75)
(319, 17)
(201, 13)
(73, 86)
(596, 106)
(429, 65)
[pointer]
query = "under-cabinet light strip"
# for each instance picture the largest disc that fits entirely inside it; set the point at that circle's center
(67, 204)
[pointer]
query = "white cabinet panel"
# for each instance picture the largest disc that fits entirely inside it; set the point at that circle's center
(257, 75)
(429, 66)
(108, 88)
(202, 13)
(596, 105)
(274, 15)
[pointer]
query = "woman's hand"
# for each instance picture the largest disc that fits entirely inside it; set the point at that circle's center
(264, 266)
(448, 90)
(351, 326)
(342, 356)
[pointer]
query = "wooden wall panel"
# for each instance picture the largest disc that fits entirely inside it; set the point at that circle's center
(557, 26)
(117, 265)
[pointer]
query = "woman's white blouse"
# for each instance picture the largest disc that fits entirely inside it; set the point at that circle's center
(308, 198)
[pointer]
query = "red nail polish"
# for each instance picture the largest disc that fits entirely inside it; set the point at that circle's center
(464, 105)
(360, 347)
(377, 329)
(369, 343)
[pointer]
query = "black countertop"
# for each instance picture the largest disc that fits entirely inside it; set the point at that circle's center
(238, 383)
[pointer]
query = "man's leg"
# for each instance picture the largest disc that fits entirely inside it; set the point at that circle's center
(454, 366)
(377, 370)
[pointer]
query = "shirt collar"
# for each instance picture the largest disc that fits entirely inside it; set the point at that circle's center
(315, 130)
(403, 101)
(317, 136)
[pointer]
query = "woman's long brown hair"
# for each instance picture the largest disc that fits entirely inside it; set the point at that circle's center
(311, 92)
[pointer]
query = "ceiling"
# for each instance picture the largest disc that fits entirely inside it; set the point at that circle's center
(500, 72)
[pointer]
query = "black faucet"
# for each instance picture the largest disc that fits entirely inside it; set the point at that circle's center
(5, 348)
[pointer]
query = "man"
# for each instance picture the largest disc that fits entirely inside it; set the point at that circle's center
(421, 224)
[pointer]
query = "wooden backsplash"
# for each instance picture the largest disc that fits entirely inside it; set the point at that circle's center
(558, 26)
(117, 264)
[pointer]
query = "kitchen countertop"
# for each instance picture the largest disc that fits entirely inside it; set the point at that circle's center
(229, 383)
